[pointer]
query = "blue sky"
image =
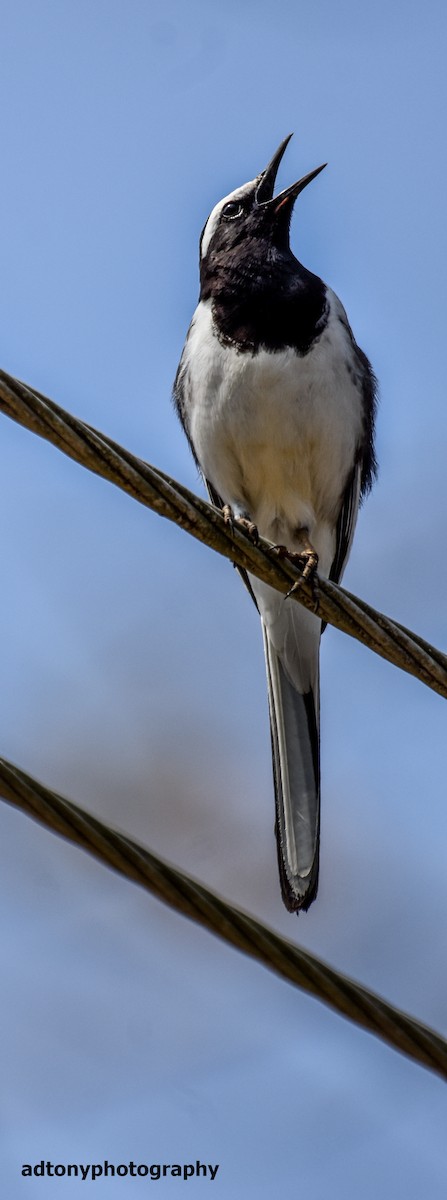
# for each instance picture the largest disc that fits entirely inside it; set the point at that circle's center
(133, 675)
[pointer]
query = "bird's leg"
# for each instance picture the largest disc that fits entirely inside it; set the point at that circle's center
(244, 523)
(228, 515)
(306, 559)
(250, 528)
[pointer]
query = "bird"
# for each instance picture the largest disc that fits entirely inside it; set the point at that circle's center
(278, 404)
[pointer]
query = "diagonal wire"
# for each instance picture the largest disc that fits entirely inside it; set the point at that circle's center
(389, 639)
(170, 499)
(226, 921)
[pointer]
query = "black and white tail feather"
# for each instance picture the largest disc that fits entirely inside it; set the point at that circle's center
(278, 403)
(295, 732)
(291, 636)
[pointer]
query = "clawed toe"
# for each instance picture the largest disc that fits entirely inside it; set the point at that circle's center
(250, 528)
(241, 522)
(309, 558)
(296, 587)
(228, 515)
(307, 562)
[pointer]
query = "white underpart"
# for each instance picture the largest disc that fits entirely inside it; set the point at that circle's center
(214, 217)
(276, 434)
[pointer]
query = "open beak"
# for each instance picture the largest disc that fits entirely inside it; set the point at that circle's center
(267, 180)
(290, 194)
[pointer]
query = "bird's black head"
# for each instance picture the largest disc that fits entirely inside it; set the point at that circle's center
(248, 231)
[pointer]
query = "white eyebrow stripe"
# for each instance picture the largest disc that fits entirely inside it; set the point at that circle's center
(213, 219)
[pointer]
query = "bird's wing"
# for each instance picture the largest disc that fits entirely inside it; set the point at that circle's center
(346, 523)
(181, 395)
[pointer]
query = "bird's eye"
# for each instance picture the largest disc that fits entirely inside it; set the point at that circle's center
(232, 210)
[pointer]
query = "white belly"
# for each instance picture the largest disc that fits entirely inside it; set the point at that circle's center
(276, 434)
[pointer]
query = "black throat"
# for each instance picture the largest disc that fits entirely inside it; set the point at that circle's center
(263, 298)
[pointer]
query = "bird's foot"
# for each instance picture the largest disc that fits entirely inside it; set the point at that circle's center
(241, 523)
(307, 562)
(249, 528)
(228, 515)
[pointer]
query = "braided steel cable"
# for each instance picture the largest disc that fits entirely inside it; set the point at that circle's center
(334, 605)
(170, 499)
(231, 924)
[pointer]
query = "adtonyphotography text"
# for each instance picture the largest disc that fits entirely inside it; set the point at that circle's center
(92, 1171)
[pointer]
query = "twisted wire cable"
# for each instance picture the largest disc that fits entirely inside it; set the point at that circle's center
(170, 499)
(334, 605)
(231, 924)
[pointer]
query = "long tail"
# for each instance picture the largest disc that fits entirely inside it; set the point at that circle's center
(292, 660)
